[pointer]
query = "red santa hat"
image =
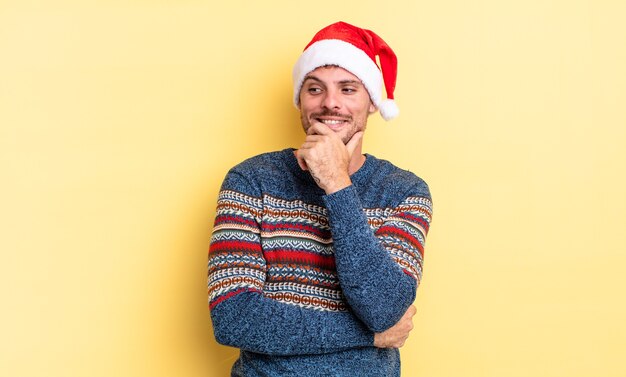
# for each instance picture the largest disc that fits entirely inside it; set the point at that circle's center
(355, 50)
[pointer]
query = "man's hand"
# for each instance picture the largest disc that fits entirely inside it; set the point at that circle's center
(325, 156)
(395, 336)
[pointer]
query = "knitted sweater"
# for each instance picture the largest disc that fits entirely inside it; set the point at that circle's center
(300, 281)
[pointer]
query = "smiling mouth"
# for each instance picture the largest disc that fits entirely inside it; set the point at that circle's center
(330, 122)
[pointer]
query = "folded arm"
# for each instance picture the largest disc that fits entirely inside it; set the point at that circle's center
(379, 271)
(242, 316)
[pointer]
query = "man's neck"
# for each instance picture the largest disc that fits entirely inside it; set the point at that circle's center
(356, 160)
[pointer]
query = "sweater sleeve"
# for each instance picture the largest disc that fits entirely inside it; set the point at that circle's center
(242, 316)
(379, 271)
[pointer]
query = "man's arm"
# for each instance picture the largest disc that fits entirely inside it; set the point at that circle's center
(242, 317)
(255, 323)
(378, 273)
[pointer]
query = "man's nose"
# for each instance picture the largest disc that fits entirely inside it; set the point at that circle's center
(331, 100)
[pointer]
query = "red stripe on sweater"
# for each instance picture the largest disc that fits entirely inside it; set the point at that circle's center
(235, 245)
(402, 234)
(416, 219)
(300, 257)
(230, 219)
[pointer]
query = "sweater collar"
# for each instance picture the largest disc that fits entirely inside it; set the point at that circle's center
(359, 178)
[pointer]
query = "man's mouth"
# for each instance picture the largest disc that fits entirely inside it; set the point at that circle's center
(331, 122)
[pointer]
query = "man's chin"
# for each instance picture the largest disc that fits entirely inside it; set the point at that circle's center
(346, 138)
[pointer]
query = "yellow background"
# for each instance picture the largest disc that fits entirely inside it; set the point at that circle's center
(119, 119)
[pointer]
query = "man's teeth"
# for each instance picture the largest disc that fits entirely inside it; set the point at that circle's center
(331, 121)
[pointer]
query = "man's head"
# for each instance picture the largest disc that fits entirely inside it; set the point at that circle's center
(354, 50)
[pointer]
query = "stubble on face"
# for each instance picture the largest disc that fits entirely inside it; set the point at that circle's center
(353, 127)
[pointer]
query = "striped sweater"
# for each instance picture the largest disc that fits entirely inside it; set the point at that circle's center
(301, 281)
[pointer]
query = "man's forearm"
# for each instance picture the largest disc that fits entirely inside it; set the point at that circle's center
(375, 286)
(255, 323)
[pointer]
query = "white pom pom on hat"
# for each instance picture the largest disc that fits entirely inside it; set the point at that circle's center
(388, 109)
(355, 50)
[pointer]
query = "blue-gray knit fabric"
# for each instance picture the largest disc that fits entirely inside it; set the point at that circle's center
(301, 281)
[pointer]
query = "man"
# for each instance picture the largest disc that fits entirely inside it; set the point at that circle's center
(316, 253)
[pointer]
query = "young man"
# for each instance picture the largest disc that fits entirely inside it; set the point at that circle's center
(316, 253)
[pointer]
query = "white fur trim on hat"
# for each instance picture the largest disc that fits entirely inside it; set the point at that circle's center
(342, 54)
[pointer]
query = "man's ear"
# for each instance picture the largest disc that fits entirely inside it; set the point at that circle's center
(372, 108)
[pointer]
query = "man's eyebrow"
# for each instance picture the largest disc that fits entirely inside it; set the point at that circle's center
(342, 82)
(353, 82)
(311, 77)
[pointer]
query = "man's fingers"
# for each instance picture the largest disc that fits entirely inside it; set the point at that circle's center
(301, 161)
(412, 310)
(310, 141)
(318, 128)
(396, 336)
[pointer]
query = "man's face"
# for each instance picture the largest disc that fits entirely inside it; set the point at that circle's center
(337, 98)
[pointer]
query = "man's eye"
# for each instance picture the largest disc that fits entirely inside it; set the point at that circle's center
(349, 90)
(314, 90)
